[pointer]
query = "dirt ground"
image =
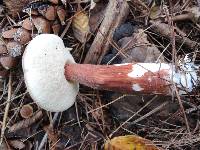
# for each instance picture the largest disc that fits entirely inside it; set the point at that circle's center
(100, 32)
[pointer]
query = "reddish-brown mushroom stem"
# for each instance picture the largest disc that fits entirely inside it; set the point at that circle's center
(144, 78)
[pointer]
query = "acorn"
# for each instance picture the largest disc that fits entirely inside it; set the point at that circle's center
(27, 24)
(14, 48)
(22, 35)
(26, 111)
(61, 14)
(9, 34)
(41, 24)
(8, 62)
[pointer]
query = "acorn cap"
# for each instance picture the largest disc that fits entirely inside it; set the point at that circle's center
(27, 24)
(43, 64)
(9, 34)
(19, 34)
(26, 111)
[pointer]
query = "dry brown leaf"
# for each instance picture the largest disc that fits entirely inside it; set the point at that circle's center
(139, 49)
(80, 26)
(129, 142)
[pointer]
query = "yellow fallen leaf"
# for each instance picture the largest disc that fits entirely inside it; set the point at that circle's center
(155, 12)
(129, 142)
(80, 26)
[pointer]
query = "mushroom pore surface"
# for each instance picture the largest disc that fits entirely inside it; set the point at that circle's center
(43, 65)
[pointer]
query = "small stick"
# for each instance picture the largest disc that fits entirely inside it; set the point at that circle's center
(115, 13)
(164, 30)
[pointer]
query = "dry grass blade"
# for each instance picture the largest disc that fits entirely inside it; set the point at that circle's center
(183, 111)
(149, 102)
(6, 108)
(46, 134)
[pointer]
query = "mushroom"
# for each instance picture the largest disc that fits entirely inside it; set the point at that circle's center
(52, 77)
(43, 65)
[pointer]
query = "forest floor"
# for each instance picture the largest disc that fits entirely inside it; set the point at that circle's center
(100, 32)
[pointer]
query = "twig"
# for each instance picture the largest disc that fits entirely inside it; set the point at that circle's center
(115, 14)
(6, 108)
(164, 30)
(66, 29)
(26, 123)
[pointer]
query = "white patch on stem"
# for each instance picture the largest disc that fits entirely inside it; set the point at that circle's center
(124, 64)
(140, 69)
(137, 87)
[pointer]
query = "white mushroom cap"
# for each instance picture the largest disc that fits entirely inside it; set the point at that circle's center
(43, 65)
